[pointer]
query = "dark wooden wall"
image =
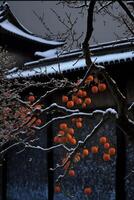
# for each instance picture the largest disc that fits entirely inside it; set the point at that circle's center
(27, 175)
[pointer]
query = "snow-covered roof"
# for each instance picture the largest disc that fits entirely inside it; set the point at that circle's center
(69, 62)
(49, 53)
(123, 44)
(10, 25)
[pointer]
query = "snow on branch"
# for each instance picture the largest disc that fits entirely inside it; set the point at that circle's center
(27, 145)
(92, 114)
(62, 108)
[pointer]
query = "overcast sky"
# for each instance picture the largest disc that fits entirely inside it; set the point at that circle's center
(106, 29)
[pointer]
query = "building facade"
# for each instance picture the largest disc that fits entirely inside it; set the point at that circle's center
(27, 175)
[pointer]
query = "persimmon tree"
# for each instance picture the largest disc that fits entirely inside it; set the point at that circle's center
(22, 118)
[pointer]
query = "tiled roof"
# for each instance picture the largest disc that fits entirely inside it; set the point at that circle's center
(119, 45)
(103, 54)
(9, 25)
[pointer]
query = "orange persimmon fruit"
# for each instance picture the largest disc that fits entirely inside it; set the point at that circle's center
(112, 151)
(106, 157)
(94, 89)
(80, 93)
(102, 87)
(56, 139)
(63, 139)
(80, 119)
(31, 98)
(69, 137)
(73, 141)
(57, 189)
(85, 152)
(94, 149)
(38, 122)
(90, 78)
(88, 101)
(63, 126)
(103, 140)
(84, 93)
(78, 101)
(71, 131)
(71, 172)
(78, 124)
(87, 190)
(106, 145)
(61, 132)
(84, 105)
(70, 104)
(64, 99)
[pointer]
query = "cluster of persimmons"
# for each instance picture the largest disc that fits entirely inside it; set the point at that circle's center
(81, 97)
(107, 153)
(68, 135)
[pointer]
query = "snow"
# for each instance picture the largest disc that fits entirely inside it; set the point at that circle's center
(48, 54)
(68, 65)
(102, 46)
(108, 111)
(1, 11)
(36, 62)
(12, 28)
(112, 111)
(12, 70)
(130, 121)
(131, 106)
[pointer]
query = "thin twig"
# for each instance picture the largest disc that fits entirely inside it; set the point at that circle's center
(125, 8)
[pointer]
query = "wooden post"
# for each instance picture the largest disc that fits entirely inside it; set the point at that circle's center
(121, 147)
(120, 165)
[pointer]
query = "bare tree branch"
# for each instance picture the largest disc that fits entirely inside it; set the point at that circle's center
(89, 32)
(129, 28)
(105, 6)
(125, 8)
